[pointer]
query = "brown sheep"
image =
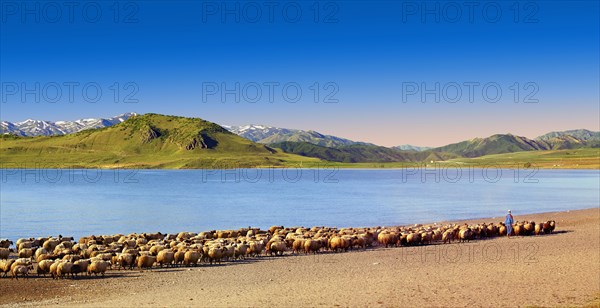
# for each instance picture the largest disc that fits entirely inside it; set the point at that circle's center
(518, 229)
(215, 254)
(43, 267)
(25, 244)
(63, 269)
(492, 230)
(71, 257)
(426, 237)
(228, 252)
(502, 230)
(539, 228)
(179, 257)
(5, 266)
(448, 236)
(22, 270)
(255, 248)
(464, 235)
(98, 267)
(154, 250)
(413, 238)
(549, 226)
(145, 261)
(81, 266)
(312, 246)
(338, 243)
(4, 253)
(275, 229)
(126, 260)
(276, 248)
(45, 257)
(21, 262)
(387, 239)
(529, 228)
(50, 244)
(40, 251)
(298, 245)
(191, 257)
(241, 250)
(437, 235)
(5, 243)
(165, 256)
(53, 269)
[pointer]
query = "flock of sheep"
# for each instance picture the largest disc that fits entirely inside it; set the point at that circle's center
(62, 257)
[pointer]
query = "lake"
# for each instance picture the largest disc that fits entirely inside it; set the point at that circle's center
(82, 202)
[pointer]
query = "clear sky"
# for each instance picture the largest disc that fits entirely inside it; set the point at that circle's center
(370, 60)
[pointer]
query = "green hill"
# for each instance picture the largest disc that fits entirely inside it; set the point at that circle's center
(570, 139)
(359, 153)
(145, 141)
(580, 134)
(495, 144)
(508, 143)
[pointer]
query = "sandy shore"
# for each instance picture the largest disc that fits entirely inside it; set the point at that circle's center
(561, 269)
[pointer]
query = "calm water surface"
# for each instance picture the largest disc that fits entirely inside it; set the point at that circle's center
(83, 202)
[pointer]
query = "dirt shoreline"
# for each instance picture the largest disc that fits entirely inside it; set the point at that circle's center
(561, 269)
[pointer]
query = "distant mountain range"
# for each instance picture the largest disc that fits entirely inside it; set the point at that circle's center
(408, 147)
(357, 153)
(269, 135)
(257, 133)
(31, 128)
(582, 134)
(314, 144)
(508, 143)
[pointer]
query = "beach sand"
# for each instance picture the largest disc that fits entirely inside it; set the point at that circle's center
(561, 269)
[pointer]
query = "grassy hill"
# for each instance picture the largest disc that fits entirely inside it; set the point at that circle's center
(495, 144)
(358, 153)
(507, 143)
(581, 134)
(145, 141)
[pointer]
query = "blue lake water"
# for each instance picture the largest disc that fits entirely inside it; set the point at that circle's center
(83, 202)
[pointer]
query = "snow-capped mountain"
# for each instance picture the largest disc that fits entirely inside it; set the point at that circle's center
(32, 127)
(269, 135)
(258, 132)
(7, 127)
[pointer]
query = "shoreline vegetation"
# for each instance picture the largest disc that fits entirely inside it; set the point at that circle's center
(581, 159)
(530, 268)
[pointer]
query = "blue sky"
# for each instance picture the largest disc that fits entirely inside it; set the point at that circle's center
(363, 56)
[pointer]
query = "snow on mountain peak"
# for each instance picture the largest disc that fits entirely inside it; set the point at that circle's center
(31, 127)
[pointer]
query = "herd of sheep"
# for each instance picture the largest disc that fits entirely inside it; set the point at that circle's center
(63, 257)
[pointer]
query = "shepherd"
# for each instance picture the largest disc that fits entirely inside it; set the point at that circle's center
(509, 223)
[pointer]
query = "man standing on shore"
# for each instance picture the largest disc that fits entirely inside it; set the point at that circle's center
(509, 222)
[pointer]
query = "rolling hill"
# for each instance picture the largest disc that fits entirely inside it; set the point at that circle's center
(145, 141)
(581, 134)
(508, 143)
